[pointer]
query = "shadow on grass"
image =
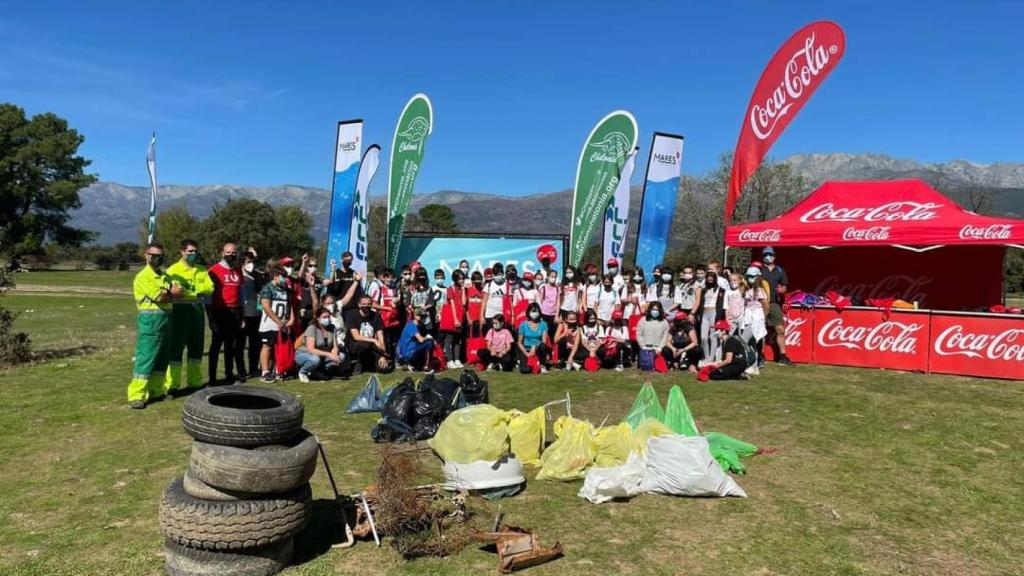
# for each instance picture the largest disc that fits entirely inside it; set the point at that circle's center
(324, 530)
(62, 353)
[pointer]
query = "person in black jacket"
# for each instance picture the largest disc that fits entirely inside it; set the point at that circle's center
(734, 361)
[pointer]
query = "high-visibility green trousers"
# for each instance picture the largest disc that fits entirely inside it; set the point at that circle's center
(151, 347)
(188, 330)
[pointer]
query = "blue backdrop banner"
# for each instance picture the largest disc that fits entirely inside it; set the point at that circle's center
(446, 252)
(659, 200)
(346, 166)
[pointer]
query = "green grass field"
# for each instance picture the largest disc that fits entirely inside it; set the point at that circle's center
(875, 472)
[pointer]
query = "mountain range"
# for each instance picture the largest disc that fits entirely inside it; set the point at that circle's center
(115, 211)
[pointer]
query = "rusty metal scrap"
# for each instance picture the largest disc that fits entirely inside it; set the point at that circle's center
(519, 548)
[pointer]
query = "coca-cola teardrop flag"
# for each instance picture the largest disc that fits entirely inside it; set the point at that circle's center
(787, 83)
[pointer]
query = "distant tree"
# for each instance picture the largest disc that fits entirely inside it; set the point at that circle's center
(14, 346)
(247, 222)
(378, 233)
(437, 218)
(295, 223)
(174, 224)
(120, 256)
(41, 174)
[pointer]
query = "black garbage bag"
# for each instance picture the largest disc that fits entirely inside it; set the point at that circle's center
(388, 430)
(399, 405)
(426, 427)
(473, 388)
(447, 389)
(428, 404)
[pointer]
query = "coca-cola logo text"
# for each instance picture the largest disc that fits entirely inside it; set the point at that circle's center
(908, 288)
(889, 336)
(804, 66)
(761, 236)
(873, 233)
(892, 212)
(992, 232)
(955, 341)
(793, 332)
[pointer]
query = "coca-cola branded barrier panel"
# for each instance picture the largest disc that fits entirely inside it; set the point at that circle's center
(978, 345)
(859, 337)
(988, 345)
(935, 279)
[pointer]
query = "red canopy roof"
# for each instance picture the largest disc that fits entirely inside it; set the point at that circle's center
(882, 213)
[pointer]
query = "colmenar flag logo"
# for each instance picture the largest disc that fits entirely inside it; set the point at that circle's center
(414, 134)
(613, 148)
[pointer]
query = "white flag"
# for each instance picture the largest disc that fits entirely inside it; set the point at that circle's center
(616, 218)
(151, 166)
(359, 236)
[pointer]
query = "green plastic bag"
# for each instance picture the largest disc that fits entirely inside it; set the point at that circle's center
(728, 451)
(614, 445)
(526, 432)
(648, 429)
(478, 432)
(677, 414)
(571, 454)
(645, 406)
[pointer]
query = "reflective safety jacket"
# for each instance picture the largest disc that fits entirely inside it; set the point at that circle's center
(146, 288)
(195, 281)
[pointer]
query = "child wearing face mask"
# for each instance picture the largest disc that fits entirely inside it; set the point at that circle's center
(710, 309)
(533, 340)
(614, 351)
(251, 310)
(734, 301)
(568, 339)
(571, 293)
(590, 335)
(498, 353)
(608, 300)
(592, 290)
(439, 288)
(522, 296)
(686, 292)
(652, 332)
(548, 296)
(453, 319)
(663, 291)
(416, 344)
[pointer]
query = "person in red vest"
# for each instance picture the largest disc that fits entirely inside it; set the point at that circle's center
(226, 316)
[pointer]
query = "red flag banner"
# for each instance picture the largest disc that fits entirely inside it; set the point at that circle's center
(787, 83)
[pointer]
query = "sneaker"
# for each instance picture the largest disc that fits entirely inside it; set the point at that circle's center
(784, 360)
(267, 378)
(576, 366)
(490, 368)
(753, 371)
(457, 364)
(618, 368)
(543, 370)
(303, 377)
(137, 405)
(408, 368)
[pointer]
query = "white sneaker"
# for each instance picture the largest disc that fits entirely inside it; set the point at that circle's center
(490, 368)
(618, 368)
(408, 368)
(543, 370)
(457, 364)
(576, 366)
(452, 365)
(303, 377)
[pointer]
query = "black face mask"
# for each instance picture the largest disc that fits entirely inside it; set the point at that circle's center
(478, 284)
(156, 259)
(607, 287)
(571, 323)
(365, 310)
(231, 259)
(346, 263)
(591, 322)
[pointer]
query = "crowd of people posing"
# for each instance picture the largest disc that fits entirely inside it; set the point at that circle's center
(706, 319)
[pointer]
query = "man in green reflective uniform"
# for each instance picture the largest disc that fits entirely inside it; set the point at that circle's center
(153, 295)
(188, 318)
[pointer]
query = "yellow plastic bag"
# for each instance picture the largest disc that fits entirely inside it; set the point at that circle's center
(648, 429)
(526, 432)
(571, 453)
(478, 432)
(614, 444)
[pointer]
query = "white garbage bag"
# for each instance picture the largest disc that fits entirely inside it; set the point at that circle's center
(604, 484)
(683, 466)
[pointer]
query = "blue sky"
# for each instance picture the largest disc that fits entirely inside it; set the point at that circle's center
(249, 92)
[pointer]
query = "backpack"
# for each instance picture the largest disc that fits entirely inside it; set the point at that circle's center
(749, 354)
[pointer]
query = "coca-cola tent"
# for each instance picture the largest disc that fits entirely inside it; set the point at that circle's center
(898, 238)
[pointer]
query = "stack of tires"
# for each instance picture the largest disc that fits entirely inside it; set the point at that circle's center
(246, 492)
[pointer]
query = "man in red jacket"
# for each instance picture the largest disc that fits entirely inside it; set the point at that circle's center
(226, 317)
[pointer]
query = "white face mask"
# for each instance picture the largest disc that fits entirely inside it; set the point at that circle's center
(465, 270)
(325, 322)
(534, 315)
(552, 280)
(613, 270)
(734, 285)
(638, 279)
(249, 267)
(312, 269)
(666, 277)
(569, 275)
(527, 283)
(439, 282)
(288, 270)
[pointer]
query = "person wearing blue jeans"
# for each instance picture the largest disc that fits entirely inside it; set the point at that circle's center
(319, 348)
(416, 345)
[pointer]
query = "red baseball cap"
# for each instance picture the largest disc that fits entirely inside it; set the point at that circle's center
(488, 273)
(617, 315)
(756, 264)
(681, 316)
(286, 260)
(528, 276)
(723, 325)
(613, 262)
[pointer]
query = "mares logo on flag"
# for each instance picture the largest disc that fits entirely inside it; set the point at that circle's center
(892, 336)
(891, 212)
